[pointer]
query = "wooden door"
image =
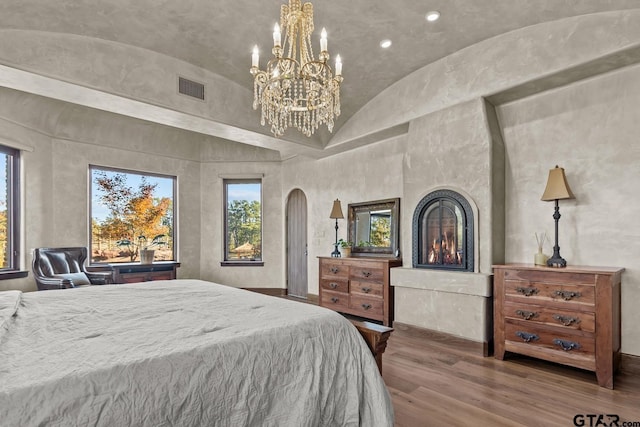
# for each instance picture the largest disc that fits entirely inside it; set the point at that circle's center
(297, 244)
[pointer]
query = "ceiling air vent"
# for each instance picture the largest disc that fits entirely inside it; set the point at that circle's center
(190, 88)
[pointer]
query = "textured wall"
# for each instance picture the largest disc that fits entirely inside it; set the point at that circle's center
(364, 174)
(64, 139)
(591, 129)
(271, 275)
(497, 64)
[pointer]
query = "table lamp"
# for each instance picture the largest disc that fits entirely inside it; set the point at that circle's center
(336, 213)
(557, 189)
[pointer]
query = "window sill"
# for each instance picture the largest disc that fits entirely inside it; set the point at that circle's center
(242, 264)
(13, 274)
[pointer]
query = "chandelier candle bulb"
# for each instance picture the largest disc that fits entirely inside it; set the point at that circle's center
(277, 38)
(255, 57)
(338, 65)
(323, 40)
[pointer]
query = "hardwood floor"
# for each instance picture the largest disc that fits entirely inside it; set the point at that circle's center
(435, 382)
(440, 381)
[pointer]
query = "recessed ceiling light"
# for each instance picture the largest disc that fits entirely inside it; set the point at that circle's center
(385, 43)
(432, 16)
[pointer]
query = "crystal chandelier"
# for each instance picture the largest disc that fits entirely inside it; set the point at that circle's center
(296, 89)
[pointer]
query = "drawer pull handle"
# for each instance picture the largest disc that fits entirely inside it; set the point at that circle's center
(566, 345)
(333, 285)
(527, 337)
(366, 306)
(334, 270)
(366, 273)
(334, 300)
(566, 320)
(527, 292)
(526, 315)
(366, 290)
(567, 295)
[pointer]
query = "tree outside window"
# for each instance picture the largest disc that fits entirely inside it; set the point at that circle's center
(243, 220)
(131, 211)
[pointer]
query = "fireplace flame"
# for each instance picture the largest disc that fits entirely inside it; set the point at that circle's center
(447, 249)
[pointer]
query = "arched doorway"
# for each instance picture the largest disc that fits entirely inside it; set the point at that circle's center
(297, 244)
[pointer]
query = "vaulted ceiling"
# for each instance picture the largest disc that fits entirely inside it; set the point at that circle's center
(218, 35)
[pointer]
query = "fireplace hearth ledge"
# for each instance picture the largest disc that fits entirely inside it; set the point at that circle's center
(451, 302)
(458, 282)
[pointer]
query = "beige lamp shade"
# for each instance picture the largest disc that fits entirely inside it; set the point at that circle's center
(557, 186)
(336, 211)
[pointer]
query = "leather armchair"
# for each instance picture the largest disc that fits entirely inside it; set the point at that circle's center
(61, 268)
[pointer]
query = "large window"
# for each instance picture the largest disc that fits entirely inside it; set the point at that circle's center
(9, 212)
(131, 211)
(243, 221)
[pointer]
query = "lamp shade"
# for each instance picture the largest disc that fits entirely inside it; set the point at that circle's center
(557, 186)
(336, 211)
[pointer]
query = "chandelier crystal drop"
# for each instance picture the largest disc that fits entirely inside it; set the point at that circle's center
(296, 90)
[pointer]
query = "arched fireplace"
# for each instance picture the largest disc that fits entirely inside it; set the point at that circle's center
(443, 232)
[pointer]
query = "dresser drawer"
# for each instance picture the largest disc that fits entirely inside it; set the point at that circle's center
(584, 321)
(366, 306)
(364, 272)
(549, 338)
(335, 285)
(334, 270)
(367, 288)
(134, 278)
(558, 294)
(335, 301)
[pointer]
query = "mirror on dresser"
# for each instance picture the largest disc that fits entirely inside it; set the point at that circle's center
(373, 228)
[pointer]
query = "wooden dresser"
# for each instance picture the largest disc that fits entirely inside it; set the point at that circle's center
(358, 286)
(566, 315)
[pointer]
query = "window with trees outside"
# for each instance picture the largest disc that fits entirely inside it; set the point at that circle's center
(131, 211)
(243, 221)
(9, 211)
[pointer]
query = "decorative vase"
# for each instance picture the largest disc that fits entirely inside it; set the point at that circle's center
(346, 252)
(146, 256)
(540, 258)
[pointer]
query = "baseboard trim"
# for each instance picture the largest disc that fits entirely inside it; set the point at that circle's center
(452, 341)
(274, 292)
(313, 299)
(630, 363)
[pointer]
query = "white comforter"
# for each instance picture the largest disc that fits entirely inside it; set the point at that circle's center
(182, 353)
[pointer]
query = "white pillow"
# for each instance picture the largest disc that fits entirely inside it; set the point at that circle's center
(78, 279)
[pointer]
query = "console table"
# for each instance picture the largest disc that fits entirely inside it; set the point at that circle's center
(136, 272)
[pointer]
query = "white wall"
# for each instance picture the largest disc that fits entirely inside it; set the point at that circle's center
(363, 174)
(271, 275)
(64, 139)
(590, 129)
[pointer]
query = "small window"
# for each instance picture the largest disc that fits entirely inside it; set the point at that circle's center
(243, 221)
(131, 211)
(9, 212)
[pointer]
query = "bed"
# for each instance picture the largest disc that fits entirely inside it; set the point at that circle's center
(182, 353)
